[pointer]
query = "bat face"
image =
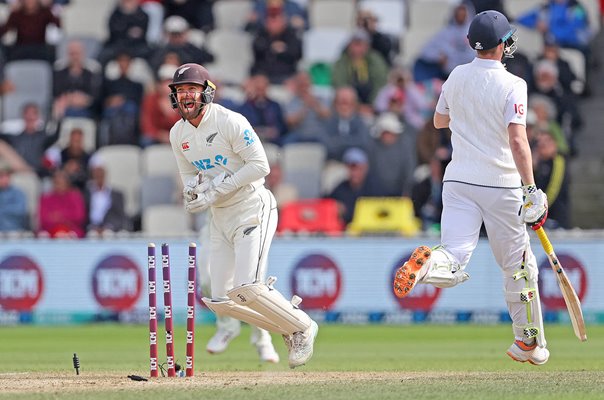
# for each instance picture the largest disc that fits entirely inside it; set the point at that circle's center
(572, 302)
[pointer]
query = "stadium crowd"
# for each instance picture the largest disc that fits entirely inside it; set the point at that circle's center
(365, 112)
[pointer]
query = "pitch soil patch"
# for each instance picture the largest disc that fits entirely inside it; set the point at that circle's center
(45, 382)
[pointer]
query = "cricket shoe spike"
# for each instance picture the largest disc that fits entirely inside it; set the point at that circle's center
(407, 276)
(521, 352)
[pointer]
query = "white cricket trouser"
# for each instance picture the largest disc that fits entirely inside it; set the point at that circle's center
(240, 237)
(465, 208)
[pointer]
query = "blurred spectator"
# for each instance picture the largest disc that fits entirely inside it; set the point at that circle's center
(362, 68)
(551, 51)
(565, 20)
(74, 159)
(434, 153)
(30, 19)
(392, 157)
(177, 41)
(448, 48)
(62, 210)
(295, 14)
(544, 111)
(355, 186)
(155, 11)
(33, 141)
(306, 112)
(105, 205)
(521, 66)
(76, 83)
(277, 48)
(346, 127)
(551, 173)
(484, 5)
(157, 115)
(13, 203)
(414, 101)
(284, 192)
(568, 116)
(198, 13)
(383, 43)
(127, 32)
(263, 113)
(120, 99)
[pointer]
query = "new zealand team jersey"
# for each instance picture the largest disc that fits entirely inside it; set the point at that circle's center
(223, 141)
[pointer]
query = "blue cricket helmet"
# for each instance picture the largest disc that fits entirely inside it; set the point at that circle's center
(490, 28)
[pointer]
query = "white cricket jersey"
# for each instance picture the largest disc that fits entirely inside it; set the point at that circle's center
(223, 141)
(482, 98)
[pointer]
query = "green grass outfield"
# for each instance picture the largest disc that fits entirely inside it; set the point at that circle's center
(350, 362)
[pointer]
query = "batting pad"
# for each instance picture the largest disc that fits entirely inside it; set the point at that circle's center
(229, 308)
(268, 302)
(522, 297)
(443, 270)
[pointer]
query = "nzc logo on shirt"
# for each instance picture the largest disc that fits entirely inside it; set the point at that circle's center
(207, 163)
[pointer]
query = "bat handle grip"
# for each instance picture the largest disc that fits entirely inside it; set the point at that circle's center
(547, 246)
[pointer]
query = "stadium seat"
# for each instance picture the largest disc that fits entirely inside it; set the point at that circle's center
(332, 13)
(88, 127)
(33, 84)
(87, 17)
(139, 71)
(233, 55)
(333, 174)
(157, 190)
(158, 160)
(379, 215)
(122, 163)
(165, 220)
(231, 14)
(280, 93)
(391, 15)
(310, 216)
(92, 47)
(302, 165)
(31, 186)
(323, 45)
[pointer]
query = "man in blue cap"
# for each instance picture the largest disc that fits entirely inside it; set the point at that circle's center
(489, 178)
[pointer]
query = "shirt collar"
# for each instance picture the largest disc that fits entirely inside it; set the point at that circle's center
(484, 63)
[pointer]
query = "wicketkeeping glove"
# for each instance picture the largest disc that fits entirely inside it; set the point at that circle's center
(202, 196)
(534, 208)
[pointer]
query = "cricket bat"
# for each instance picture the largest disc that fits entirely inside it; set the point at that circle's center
(568, 292)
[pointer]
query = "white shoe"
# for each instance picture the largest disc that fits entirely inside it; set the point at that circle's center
(521, 352)
(301, 345)
(220, 341)
(267, 353)
(264, 345)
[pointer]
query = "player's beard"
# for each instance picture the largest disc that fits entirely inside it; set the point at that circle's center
(190, 107)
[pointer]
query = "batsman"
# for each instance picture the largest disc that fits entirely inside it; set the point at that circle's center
(489, 179)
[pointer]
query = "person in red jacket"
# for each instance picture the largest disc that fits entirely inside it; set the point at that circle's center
(62, 211)
(157, 114)
(29, 19)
